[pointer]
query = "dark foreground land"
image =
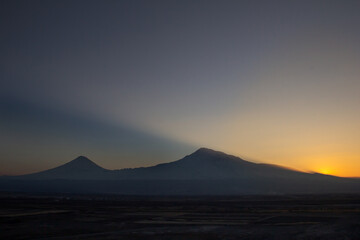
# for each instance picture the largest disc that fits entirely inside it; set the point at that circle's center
(115, 217)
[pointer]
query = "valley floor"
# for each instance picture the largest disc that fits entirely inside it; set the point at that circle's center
(119, 217)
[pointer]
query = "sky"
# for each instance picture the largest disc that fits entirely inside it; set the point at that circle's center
(137, 83)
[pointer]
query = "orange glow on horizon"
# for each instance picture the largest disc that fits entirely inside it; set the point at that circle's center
(325, 171)
(334, 165)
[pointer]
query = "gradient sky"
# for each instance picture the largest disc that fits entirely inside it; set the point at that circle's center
(136, 83)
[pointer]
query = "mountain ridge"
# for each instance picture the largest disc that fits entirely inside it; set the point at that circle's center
(202, 157)
(205, 171)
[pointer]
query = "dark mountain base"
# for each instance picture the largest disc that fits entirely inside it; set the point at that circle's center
(117, 217)
(183, 187)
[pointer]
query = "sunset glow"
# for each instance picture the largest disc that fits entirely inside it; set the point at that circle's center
(325, 171)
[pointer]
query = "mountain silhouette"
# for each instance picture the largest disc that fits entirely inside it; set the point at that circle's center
(79, 168)
(204, 172)
(207, 164)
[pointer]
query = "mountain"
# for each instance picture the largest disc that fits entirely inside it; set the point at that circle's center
(204, 172)
(79, 168)
(207, 164)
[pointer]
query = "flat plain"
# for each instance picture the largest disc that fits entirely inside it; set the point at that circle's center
(67, 216)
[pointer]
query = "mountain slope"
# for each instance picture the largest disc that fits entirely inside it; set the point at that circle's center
(79, 168)
(207, 164)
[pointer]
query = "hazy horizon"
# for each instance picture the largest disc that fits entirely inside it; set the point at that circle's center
(170, 161)
(138, 83)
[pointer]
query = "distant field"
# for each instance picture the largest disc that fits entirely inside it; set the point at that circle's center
(116, 217)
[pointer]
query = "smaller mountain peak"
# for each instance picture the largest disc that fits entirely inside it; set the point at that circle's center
(82, 159)
(82, 162)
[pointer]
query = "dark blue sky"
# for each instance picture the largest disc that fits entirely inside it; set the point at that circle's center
(131, 83)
